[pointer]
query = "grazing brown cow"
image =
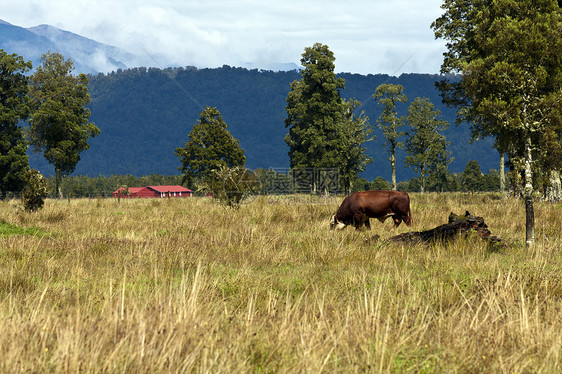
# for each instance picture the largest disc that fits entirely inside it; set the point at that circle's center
(358, 207)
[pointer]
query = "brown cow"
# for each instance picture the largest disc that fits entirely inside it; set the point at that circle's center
(358, 207)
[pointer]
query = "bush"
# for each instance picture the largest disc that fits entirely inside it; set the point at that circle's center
(231, 186)
(35, 191)
(381, 184)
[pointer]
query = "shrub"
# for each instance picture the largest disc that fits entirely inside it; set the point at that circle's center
(231, 186)
(35, 191)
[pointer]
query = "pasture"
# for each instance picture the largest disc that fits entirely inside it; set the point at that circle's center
(185, 285)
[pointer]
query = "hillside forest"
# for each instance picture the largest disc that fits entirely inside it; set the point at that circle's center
(145, 114)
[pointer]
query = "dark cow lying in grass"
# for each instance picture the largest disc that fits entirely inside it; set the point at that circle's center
(357, 208)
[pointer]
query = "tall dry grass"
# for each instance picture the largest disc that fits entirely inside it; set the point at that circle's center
(188, 286)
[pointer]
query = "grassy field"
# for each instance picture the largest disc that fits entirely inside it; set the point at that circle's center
(185, 285)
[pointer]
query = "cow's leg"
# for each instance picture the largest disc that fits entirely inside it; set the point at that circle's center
(367, 223)
(359, 219)
(397, 221)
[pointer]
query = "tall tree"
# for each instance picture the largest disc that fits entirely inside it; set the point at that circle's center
(314, 111)
(355, 131)
(59, 125)
(210, 147)
(425, 145)
(13, 109)
(471, 178)
(324, 131)
(508, 53)
(388, 95)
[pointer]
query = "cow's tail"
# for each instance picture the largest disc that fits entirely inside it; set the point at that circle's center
(410, 221)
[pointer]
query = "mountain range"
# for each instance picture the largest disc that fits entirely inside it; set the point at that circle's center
(89, 56)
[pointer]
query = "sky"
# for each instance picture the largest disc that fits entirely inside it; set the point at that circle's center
(366, 36)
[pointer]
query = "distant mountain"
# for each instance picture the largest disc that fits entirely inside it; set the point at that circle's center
(89, 56)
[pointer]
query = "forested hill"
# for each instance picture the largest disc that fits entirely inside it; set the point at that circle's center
(144, 114)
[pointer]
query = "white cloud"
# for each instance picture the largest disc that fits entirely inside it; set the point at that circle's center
(366, 36)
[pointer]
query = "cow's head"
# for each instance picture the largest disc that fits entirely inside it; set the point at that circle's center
(335, 224)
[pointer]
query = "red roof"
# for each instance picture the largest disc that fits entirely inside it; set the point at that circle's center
(132, 190)
(164, 189)
(154, 191)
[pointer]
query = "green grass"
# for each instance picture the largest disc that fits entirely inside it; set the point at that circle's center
(7, 229)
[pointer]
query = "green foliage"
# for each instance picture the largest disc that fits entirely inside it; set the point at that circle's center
(35, 191)
(324, 130)
(59, 124)
(388, 95)
(102, 186)
(7, 229)
(441, 180)
(492, 181)
(472, 178)
(13, 108)
(355, 132)
(380, 184)
(127, 104)
(508, 53)
(231, 186)
(361, 184)
(315, 111)
(210, 147)
(425, 146)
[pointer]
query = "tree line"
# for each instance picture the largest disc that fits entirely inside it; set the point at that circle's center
(471, 179)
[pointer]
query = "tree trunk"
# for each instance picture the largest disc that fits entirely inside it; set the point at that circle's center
(393, 166)
(502, 172)
(528, 195)
(457, 227)
(422, 177)
(554, 190)
(58, 180)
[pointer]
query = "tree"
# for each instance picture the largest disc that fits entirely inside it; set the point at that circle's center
(491, 181)
(425, 146)
(355, 132)
(13, 109)
(380, 184)
(210, 147)
(441, 180)
(233, 185)
(324, 131)
(387, 96)
(35, 190)
(472, 178)
(511, 84)
(59, 124)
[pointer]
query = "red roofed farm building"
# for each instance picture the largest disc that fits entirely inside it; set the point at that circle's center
(170, 191)
(133, 192)
(153, 191)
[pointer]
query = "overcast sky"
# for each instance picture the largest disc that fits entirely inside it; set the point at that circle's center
(366, 36)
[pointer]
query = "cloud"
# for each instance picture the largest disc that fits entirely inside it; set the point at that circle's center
(366, 36)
